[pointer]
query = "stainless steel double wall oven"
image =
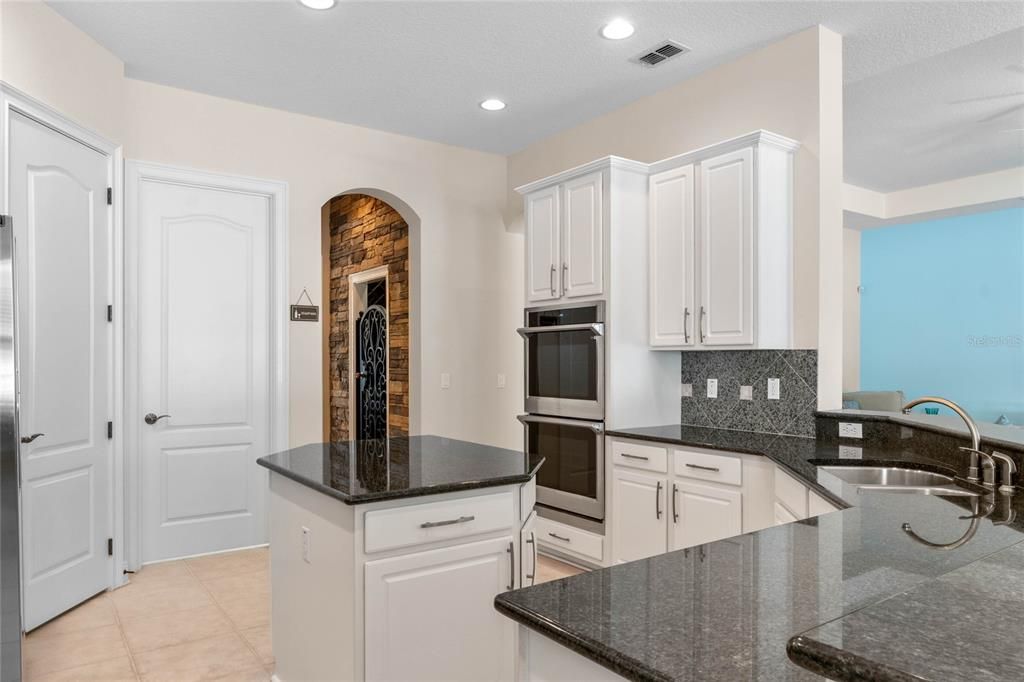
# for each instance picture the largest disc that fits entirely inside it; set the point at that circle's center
(565, 356)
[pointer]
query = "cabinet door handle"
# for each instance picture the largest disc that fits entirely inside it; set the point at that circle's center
(532, 575)
(701, 467)
(449, 522)
(626, 454)
(686, 331)
(565, 273)
(701, 330)
(559, 537)
(657, 501)
(552, 279)
(675, 512)
(511, 564)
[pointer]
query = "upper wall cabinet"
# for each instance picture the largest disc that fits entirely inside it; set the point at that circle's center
(720, 229)
(565, 228)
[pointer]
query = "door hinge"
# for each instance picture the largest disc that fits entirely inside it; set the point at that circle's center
(110, 430)
(110, 313)
(110, 196)
(110, 546)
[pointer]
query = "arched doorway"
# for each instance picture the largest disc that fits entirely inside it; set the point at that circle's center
(367, 294)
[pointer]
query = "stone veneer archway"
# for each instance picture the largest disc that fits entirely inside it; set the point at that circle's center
(363, 232)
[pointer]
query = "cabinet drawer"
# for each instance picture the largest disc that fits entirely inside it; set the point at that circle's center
(791, 493)
(709, 467)
(639, 456)
(436, 521)
(570, 539)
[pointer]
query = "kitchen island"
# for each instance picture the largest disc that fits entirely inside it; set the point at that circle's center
(386, 557)
(895, 586)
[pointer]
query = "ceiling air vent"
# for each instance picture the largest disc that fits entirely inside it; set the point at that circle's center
(664, 51)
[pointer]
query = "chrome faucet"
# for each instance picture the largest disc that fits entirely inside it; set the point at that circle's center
(975, 452)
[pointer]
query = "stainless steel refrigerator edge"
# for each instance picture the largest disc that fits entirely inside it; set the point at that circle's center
(10, 530)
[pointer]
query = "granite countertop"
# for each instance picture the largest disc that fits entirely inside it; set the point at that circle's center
(358, 472)
(849, 595)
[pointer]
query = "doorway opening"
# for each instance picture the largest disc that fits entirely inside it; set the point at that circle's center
(367, 293)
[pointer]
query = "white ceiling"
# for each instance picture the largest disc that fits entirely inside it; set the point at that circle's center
(932, 88)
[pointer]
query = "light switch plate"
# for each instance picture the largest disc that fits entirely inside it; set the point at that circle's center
(686, 391)
(501, 381)
(851, 430)
(446, 380)
(306, 545)
(712, 388)
(746, 392)
(774, 389)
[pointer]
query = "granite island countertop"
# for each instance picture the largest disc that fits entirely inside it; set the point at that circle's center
(849, 595)
(359, 472)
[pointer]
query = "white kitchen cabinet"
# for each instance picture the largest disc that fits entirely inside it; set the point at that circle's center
(638, 516)
(795, 501)
(529, 553)
(543, 245)
(723, 259)
(783, 514)
(704, 513)
(412, 621)
(672, 257)
(583, 236)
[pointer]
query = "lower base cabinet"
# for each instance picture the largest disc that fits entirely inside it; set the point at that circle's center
(412, 619)
(702, 513)
(638, 515)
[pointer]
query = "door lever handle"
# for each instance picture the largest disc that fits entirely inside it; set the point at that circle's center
(154, 418)
(29, 439)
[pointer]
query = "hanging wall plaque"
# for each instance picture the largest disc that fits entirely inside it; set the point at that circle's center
(305, 313)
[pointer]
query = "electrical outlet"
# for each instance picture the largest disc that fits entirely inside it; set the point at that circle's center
(851, 430)
(446, 380)
(850, 452)
(746, 392)
(501, 381)
(686, 391)
(774, 389)
(712, 388)
(306, 541)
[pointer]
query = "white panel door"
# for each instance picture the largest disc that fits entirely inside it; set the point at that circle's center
(672, 258)
(704, 513)
(416, 631)
(638, 515)
(203, 354)
(62, 255)
(543, 260)
(583, 236)
(727, 249)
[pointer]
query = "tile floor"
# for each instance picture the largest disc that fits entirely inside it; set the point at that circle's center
(206, 618)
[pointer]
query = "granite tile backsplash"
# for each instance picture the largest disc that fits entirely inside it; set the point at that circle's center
(792, 414)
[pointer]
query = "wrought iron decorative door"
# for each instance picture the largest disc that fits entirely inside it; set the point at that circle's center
(372, 363)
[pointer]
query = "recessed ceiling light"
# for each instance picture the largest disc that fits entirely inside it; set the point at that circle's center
(617, 29)
(492, 105)
(318, 4)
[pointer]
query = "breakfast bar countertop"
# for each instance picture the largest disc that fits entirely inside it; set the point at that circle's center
(849, 595)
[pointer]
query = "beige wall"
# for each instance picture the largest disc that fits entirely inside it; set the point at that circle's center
(469, 289)
(851, 310)
(774, 88)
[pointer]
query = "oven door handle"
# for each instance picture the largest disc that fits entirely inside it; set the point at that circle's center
(596, 427)
(596, 328)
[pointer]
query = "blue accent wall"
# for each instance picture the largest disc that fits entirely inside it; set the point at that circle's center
(942, 311)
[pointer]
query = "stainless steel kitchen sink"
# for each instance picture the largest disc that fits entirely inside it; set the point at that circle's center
(898, 480)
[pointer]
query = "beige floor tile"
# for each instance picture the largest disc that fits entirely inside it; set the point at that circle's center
(133, 603)
(203, 660)
(227, 588)
(552, 569)
(96, 612)
(247, 612)
(160, 577)
(259, 639)
(229, 563)
(60, 651)
(114, 670)
(254, 675)
(168, 629)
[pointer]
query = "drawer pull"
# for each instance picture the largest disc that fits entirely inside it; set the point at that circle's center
(626, 454)
(559, 537)
(702, 468)
(449, 522)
